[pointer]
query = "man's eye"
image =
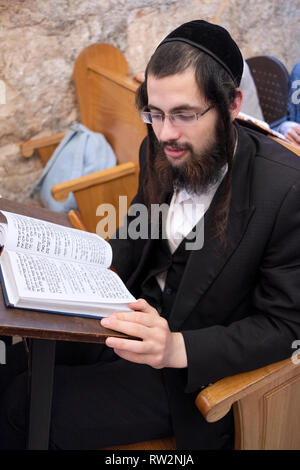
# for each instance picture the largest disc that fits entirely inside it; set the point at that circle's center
(185, 116)
(157, 117)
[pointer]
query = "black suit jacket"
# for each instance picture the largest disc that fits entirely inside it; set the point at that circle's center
(238, 310)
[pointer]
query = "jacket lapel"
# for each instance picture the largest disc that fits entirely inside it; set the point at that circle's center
(205, 264)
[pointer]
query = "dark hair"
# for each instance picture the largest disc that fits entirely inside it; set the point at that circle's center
(218, 88)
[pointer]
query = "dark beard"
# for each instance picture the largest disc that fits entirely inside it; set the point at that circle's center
(199, 172)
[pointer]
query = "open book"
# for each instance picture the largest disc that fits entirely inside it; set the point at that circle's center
(57, 269)
(258, 125)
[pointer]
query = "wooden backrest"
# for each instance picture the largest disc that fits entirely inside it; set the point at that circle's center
(106, 97)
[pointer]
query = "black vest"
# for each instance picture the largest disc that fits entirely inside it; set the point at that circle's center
(162, 260)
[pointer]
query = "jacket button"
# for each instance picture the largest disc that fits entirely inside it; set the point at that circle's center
(168, 291)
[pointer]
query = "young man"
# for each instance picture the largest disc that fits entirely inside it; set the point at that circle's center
(217, 294)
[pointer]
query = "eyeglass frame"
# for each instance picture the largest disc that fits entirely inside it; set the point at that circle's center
(164, 115)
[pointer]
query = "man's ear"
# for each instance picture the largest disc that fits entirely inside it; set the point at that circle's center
(236, 105)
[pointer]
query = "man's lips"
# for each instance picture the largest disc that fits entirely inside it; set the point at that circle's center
(174, 152)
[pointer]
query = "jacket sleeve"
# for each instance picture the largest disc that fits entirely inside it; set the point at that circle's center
(267, 334)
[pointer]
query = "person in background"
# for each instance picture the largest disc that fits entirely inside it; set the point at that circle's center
(250, 105)
(290, 127)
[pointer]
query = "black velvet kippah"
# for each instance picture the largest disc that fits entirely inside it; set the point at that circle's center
(213, 40)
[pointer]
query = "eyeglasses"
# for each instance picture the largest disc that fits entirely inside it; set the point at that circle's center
(177, 119)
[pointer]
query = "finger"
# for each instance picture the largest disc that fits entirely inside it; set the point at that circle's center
(126, 327)
(142, 318)
(293, 141)
(297, 138)
(293, 137)
(138, 347)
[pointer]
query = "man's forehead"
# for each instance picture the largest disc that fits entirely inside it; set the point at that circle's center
(188, 74)
(178, 90)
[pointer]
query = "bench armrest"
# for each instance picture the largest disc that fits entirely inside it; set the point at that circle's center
(215, 401)
(61, 191)
(27, 148)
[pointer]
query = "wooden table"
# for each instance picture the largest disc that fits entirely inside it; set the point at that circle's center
(43, 330)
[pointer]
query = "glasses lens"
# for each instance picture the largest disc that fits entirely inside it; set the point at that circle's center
(146, 117)
(183, 119)
(152, 118)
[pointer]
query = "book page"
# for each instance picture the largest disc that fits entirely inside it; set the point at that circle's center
(36, 236)
(50, 278)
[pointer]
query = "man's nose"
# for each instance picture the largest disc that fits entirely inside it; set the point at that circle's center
(167, 131)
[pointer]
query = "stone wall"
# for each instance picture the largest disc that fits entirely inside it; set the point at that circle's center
(41, 39)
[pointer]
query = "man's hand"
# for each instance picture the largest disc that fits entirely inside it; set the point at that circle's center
(291, 131)
(159, 346)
